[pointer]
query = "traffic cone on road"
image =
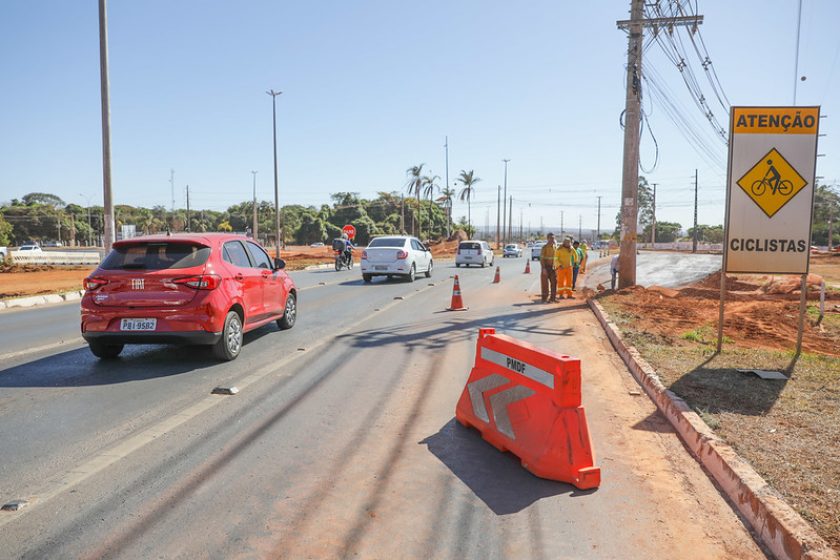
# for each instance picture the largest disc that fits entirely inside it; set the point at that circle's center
(528, 266)
(457, 303)
(498, 277)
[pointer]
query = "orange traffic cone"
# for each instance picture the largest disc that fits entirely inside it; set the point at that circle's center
(457, 303)
(528, 266)
(498, 277)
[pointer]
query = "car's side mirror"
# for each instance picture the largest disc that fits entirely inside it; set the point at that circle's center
(279, 264)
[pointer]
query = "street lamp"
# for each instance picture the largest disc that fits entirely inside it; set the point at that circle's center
(274, 95)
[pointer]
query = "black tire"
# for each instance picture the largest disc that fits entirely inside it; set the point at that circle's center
(412, 274)
(367, 278)
(457, 265)
(105, 351)
(229, 345)
(483, 264)
(429, 272)
(287, 321)
(337, 264)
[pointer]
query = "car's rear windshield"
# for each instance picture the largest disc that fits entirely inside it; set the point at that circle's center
(388, 242)
(469, 245)
(510, 246)
(156, 256)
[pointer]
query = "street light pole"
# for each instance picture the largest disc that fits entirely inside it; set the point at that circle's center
(504, 210)
(106, 126)
(254, 229)
(274, 95)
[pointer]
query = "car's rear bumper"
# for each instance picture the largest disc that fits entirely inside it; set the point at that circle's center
(171, 337)
(380, 269)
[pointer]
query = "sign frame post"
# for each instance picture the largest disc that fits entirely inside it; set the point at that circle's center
(774, 240)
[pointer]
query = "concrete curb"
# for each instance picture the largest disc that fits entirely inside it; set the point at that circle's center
(33, 301)
(780, 528)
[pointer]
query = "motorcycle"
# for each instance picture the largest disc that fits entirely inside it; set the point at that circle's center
(343, 260)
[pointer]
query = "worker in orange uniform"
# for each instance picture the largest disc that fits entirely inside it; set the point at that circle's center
(564, 258)
(547, 274)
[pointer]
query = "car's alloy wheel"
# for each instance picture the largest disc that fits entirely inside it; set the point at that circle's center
(429, 271)
(412, 274)
(289, 314)
(230, 344)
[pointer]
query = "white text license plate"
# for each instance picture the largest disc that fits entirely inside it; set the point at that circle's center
(138, 324)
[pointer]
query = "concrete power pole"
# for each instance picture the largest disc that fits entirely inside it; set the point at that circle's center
(653, 225)
(277, 240)
(632, 118)
(187, 226)
(694, 237)
(504, 210)
(108, 203)
(598, 233)
(510, 220)
(498, 213)
(254, 230)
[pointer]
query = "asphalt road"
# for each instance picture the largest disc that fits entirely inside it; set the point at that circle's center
(341, 442)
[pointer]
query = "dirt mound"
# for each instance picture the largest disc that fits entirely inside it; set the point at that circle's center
(791, 284)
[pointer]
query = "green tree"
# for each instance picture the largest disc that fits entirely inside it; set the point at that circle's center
(446, 196)
(468, 179)
(5, 231)
(429, 187)
(666, 232)
(414, 184)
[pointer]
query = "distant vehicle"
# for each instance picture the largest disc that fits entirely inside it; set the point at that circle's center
(319, 244)
(536, 248)
(54, 244)
(396, 255)
(30, 248)
(512, 250)
(474, 252)
(185, 289)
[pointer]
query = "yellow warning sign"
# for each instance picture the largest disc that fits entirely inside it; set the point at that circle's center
(772, 182)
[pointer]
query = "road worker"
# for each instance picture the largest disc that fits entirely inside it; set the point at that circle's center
(577, 258)
(563, 263)
(585, 250)
(548, 276)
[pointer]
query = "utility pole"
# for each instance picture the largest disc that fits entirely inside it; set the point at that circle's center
(653, 225)
(498, 213)
(402, 213)
(504, 211)
(562, 224)
(274, 95)
(521, 231)
(580, 227)
(632, 116)
(694, 237)
(510, 220)
(449, 217)
(108, 204)
(172, 188)
(187, 228)
(796, 63)
(254, 231)
(598, 234)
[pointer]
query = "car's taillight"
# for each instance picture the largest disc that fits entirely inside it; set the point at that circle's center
(199, 282)
(93, 283)
(402, 255)
(364, 255)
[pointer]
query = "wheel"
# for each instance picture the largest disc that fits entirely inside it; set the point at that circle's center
(105, 351)
(785, 188)
(337, 264)
(483, 264)
(457, 265)
(429, 272)
(412, 274)
(758, 188)
(230, 344)
(289, 313)
(367, 278)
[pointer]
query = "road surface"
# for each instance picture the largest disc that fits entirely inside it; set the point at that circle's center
(341, 443)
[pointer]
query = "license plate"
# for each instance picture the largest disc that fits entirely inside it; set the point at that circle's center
(138, 324)
(380, 268)
(468, 257)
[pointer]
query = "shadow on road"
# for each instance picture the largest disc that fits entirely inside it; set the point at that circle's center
(498, 479)
(79, 368)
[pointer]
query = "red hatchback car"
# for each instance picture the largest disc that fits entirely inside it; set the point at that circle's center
(207, 288)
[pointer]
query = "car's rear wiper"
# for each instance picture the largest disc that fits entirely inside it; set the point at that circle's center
(133, 267)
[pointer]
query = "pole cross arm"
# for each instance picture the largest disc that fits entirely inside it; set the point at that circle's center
(661, 22)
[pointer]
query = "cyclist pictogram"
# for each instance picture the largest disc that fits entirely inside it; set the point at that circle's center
(772, 182)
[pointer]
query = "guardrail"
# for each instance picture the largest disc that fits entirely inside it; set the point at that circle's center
(55, 257)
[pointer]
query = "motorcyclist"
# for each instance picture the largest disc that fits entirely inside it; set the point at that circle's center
(348, 249)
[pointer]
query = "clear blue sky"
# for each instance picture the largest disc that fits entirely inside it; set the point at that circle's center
(372, 87)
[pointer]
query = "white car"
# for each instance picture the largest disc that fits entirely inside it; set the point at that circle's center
(396, 255)
(474, 252)
(512, 250)
(29, 249)
(536, 249)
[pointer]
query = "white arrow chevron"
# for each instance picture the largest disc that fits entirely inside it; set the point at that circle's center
(477, 389)
(499, 404)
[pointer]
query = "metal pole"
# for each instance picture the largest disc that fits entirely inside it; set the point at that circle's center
(630, 169)
(694, 237)
(796, 63)
(274, 95)
(188, 209)
(504, 210)
(653, 225)
(108, 204)
(510, 220)
(449, 216)
(598, 234)
(254, 230)
(498, 215)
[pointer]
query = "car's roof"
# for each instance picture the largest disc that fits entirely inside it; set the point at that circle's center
(208, 238)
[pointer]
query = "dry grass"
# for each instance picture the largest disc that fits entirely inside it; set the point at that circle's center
(788, 430)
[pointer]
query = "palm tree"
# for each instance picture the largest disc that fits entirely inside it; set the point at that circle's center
(429, 188)
(415, 181)
(446, 197)
(468, 179)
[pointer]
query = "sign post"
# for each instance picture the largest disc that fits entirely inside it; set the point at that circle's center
(770, 196)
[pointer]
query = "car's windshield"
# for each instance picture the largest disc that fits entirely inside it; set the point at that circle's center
(156, 256)
(388, 242)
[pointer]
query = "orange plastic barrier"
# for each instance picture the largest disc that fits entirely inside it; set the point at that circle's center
(457, 303)
(498, 277)
(526, 400)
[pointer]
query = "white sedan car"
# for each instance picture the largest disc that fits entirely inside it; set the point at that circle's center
(396, 255)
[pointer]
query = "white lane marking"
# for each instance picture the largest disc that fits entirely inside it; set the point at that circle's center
(73, 342)
(99, 462)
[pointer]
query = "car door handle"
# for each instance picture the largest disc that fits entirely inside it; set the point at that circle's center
(239, 277)
(266, 274)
